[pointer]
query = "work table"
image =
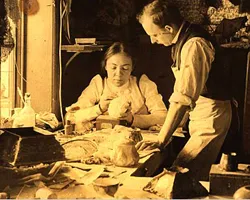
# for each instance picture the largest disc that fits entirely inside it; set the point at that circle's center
(70, 179)
(65, 185)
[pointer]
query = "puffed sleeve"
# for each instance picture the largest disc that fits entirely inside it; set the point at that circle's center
(154, 103)
(88, 101)
(91, 94)
(153, 99)
(196, 57)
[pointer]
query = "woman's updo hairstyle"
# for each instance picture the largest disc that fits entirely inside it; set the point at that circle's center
(115, 48)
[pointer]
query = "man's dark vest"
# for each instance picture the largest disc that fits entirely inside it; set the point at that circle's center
(218, 83)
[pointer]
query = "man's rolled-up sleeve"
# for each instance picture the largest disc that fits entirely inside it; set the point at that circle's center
(196, 57)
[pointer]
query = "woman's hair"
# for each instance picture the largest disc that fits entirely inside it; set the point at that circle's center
(115, 48)
(162, 13)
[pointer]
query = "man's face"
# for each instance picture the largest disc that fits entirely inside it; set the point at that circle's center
(119, 68)
(157, 35)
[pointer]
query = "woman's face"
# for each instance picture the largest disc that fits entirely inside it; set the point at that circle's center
(119, 68)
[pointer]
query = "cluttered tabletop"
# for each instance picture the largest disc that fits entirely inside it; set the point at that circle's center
(72, 166)
(99, 164)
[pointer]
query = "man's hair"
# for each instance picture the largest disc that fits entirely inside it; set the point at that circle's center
(162, 13)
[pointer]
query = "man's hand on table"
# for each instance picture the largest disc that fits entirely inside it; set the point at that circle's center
(147, 145)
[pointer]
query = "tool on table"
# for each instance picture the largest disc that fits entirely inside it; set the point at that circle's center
(39, 177)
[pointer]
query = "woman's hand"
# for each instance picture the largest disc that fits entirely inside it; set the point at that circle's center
(126, 113)
(128, 116)
(126, 109)
(72, 108)
(83, 127)
(105, 101)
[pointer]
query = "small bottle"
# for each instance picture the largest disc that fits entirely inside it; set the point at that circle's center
(68, 128)
(16, 118)
(27, 114)
(70, 117)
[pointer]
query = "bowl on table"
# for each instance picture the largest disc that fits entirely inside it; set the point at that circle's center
(106, 185)
(242, 193)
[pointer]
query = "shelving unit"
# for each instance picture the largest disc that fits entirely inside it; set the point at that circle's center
(237, 45)
(77, 49)
(82, 48)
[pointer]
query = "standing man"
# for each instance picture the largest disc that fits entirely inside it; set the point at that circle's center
(200, 87)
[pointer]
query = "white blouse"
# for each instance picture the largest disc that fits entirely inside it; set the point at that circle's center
(147, 105)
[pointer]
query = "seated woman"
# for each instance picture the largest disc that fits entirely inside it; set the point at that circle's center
(119, 94)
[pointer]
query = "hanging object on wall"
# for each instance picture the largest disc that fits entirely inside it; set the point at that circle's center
(13, 11)
(29, 7)
(66, 10)
(3, 22)
(6, 39)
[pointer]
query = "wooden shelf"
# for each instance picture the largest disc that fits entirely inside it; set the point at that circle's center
(82, 48)
(237, 45)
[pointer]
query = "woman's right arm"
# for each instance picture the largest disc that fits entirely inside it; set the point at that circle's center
(87, 108)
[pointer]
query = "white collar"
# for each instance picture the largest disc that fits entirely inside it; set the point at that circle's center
(178, 33)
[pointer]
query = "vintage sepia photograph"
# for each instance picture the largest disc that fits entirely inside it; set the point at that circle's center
(124, 99)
